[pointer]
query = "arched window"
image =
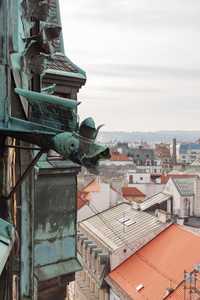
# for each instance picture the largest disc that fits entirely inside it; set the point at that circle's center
(148, 162)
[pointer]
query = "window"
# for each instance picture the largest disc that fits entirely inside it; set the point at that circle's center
(148, 162)
(147, 155)
(183, 147)
(155, 163)
(138, 162)
(115, 153)
(155, 171)
(141, 178)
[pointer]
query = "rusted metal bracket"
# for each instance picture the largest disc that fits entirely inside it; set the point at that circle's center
(25, 174)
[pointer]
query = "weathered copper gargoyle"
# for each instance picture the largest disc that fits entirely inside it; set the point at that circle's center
(54, 126)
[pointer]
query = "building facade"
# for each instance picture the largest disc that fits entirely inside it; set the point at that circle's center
(38, 194)
(106, 240)
(145, 159)
(163, 152)
(188, 152)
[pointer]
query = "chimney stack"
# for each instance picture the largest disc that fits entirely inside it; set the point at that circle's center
(174, 152)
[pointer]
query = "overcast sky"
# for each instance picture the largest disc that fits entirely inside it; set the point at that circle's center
(142, 61)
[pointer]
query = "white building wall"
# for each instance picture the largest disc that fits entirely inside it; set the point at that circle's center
(170, 189)
(100, 201)
(115, 197)
(116, 162)
(139, 177)
(182, 205)
(186, 206)
(149, 189)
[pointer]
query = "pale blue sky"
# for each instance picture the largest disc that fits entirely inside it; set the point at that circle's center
(142, 61)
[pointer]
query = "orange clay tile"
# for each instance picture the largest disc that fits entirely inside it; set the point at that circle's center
(172, 251)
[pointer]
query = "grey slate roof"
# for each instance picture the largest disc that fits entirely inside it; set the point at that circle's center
(185, 186)
(140, 153)
(60, 63)
(107, 227)
(157, 199)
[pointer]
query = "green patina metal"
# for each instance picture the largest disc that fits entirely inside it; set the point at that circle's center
(47, 104)
(7, 238)
(48, 90)
(57, 115)
(55, 222)
(47, 205)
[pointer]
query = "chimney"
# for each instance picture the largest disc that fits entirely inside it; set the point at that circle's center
(163, 216)
(174, 152)
(135, 204)
(180, 221)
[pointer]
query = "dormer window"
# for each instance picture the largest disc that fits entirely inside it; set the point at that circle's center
(148, 162)
(138, 162)
(115, 153)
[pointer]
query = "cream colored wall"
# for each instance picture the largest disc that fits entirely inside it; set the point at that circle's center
(87, 289)
(170, 189)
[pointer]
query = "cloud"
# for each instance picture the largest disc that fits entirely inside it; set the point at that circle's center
(141, 60)
(132, 70)
(117, 89)
(140, 13)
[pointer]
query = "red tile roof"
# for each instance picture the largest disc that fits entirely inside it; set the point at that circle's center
(185, 290)
(83, 198)
(117, 156)
(163, 149)
(93, 186)
(168, 254)
(132, 191)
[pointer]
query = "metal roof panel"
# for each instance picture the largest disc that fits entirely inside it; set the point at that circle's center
(157, 199)
(115, 234)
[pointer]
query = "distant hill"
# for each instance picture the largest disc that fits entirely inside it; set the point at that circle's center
(149, 137)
